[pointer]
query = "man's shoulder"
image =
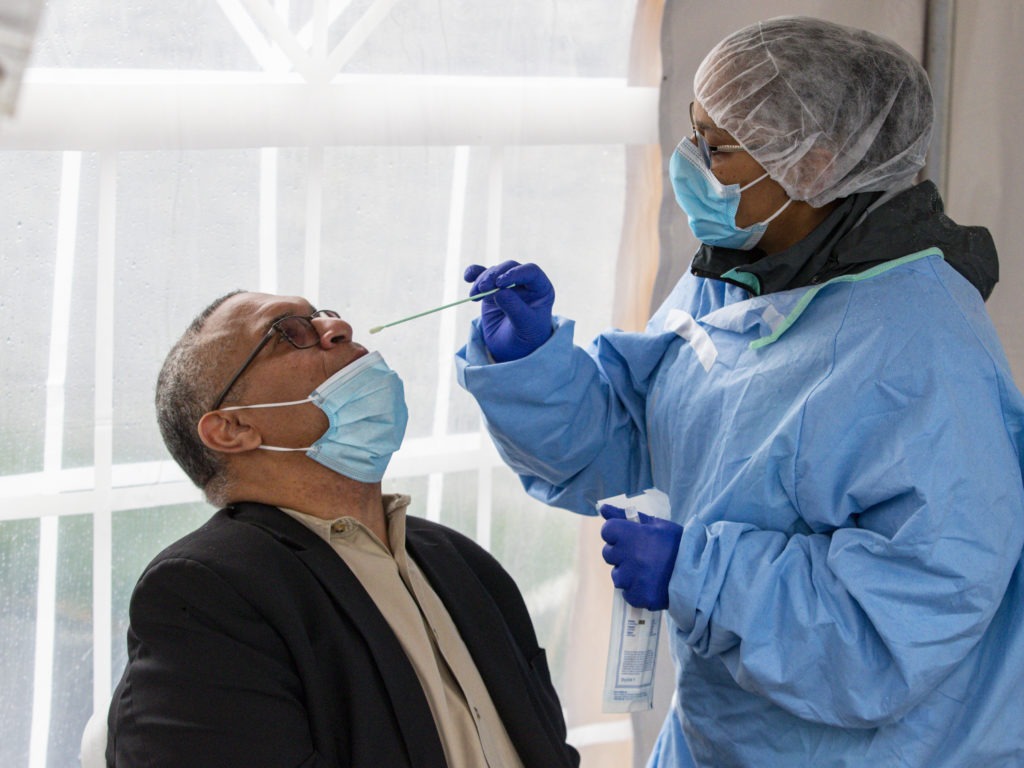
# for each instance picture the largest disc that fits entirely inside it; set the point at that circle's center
(239, 532)
(437, 547)
(418, 529)
(422, 525)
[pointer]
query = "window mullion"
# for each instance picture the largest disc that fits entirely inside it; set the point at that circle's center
(103, 449)
(268, 220)
(485, 473)
(446, 335)
(314, 222)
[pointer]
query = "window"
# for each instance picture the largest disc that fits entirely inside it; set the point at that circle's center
(357, 153)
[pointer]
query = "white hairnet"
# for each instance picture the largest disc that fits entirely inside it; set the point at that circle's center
(827, 110)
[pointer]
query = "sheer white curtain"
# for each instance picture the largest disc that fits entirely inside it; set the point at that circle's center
(358, 152)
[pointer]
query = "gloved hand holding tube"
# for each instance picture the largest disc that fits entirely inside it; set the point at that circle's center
(643, 555)
(633, 639)
(517, 321)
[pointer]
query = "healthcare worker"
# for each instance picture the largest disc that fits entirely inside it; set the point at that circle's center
(824, 400)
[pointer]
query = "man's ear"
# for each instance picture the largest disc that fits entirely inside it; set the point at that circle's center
(227, 432)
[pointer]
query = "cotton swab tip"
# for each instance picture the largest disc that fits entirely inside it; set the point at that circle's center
(377, 329)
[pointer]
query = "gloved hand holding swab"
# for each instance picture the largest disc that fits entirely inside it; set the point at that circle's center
(513, 324)
(379, 328)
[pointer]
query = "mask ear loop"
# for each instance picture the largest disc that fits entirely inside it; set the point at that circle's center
(272, 405)
(775, 215)
(759, 179)
(266, 405)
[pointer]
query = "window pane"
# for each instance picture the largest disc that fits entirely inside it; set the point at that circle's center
(187, 231)
(530, 38)
(28, 207)
(71, 664)
(537, 545)
(71, 704)
(563, 210)
(385, 234)
(139, 34)
(19, 562)
(459, 505)
(80, 376)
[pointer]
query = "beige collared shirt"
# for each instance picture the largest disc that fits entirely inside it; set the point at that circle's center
(470, 728)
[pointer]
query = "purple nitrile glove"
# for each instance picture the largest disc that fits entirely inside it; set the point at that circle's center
(518, 320)
(643, 553)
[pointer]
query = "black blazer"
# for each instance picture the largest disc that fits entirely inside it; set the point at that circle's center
(252, 644)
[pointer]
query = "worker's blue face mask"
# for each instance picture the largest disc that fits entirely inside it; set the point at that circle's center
(365, 407)
(711, 205)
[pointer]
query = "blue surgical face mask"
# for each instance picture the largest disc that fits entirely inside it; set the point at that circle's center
(365, 407)
(711, 205)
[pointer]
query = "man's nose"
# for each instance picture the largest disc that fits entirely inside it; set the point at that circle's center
(333, 330)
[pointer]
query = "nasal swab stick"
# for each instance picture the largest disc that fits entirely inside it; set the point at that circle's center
(379, 328)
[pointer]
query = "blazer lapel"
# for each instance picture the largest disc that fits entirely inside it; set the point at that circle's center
(346, 592)
(484, 629)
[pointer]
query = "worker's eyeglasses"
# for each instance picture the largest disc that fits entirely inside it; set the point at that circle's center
(706, 150)
(297, 330)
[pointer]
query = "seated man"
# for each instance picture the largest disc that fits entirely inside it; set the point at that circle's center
(310, 622)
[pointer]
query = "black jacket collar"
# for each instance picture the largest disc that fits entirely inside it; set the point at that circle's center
(857, 236)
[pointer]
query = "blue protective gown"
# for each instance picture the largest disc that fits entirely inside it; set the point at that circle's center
(845, 460)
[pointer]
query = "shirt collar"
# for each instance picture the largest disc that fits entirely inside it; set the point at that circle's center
(395, 506)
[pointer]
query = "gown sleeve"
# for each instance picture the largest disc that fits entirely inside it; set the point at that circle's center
(571, 422)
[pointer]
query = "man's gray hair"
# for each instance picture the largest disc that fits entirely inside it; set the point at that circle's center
(185, 390)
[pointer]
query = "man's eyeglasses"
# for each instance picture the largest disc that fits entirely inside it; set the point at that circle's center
(706, 150)
(297, 330)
